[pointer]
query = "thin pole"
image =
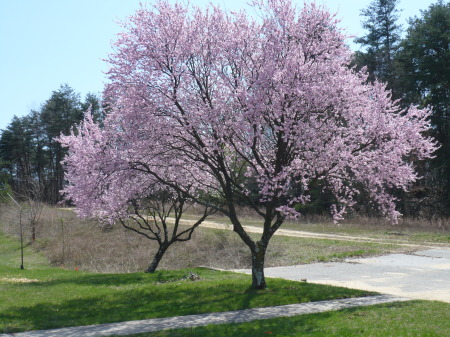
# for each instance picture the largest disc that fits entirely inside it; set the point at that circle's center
(21, 238)
(21, 230)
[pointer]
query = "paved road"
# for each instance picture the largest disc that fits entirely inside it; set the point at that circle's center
(422, 275)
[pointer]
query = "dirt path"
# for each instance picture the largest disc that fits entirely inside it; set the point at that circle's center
(312, 235)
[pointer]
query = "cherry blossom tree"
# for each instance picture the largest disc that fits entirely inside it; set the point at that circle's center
(254, 110)
(102, 186)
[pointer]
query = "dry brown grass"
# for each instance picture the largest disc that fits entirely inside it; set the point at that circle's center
(71, 242)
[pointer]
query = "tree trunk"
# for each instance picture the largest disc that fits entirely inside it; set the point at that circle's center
(258, 258)
(33, 232)
(157, 258)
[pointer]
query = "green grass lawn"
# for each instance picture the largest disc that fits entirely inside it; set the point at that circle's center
(42, 297)
(401, 319)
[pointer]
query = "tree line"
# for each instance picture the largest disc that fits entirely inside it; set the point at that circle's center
(30, 156)
(415, 68)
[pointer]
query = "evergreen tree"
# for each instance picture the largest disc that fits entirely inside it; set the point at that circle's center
(16, 149)
(424, 60)
(381, 41)
(92, 102)
(61, 111)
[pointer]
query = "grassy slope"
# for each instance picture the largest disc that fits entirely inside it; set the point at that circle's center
(42, 297)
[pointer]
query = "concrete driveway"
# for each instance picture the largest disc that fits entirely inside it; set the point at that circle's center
(422, 275)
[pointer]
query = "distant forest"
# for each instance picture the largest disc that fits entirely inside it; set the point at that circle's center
(416, 68)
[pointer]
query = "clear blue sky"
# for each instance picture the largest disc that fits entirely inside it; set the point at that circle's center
(46, 43)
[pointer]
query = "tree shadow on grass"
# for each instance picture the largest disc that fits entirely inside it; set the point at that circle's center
(116, 298)
(121, 306)
(106, 298)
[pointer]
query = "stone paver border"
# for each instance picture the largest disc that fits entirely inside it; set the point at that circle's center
(239, 316)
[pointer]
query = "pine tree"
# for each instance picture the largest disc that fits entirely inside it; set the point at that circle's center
(381, 41)
(424, 61)
(58, 114)
(16, 151)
